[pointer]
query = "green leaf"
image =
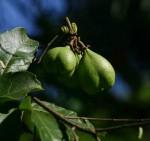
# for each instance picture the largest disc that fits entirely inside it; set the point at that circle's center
(85, 136)
(2, 117)
(26, 137)
(26, 104)
(46, 124)
(17, 85)
(68, 113)
(27, 121)
(70, 134)
(16, 50)
(85, 124)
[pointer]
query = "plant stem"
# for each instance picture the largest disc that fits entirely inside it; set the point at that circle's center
(74, 133)
(122, 126)
(70, 26)
(108, 119)
(55, 37)
(92, 132)
(62, 118)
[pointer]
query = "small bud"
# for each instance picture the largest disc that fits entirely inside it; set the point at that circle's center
(65, 29)
(74, 26)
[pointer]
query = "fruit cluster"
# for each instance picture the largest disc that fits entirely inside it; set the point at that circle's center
(77, 66)
(89, 71)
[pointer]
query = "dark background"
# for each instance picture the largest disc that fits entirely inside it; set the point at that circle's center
(119, 30)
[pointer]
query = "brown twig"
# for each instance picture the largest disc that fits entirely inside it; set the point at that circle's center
(66, 120)
(45, 50)
(122, 126)
(76, 138)
(96, 137)
(81, 43)
(62, 118)
(70, 26)
(74, 42)
(108, 119)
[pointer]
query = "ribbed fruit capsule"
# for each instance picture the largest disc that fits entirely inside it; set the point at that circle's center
(95, 73)
(61, 61)
(73, 81)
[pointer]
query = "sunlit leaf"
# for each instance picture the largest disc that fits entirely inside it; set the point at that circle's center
(16, 50)
(2, 117)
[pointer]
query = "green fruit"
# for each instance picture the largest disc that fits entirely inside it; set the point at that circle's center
(73, 81)
(95, 73)
(78, 58)
(61, 61)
